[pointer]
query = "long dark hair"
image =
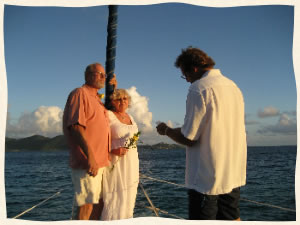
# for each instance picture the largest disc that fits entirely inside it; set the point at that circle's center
(193, 57)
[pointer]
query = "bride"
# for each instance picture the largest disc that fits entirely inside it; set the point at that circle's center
(121, 178)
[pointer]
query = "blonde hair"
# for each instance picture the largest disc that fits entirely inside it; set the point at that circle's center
(120, 93)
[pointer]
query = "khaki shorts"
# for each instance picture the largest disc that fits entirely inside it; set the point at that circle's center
(87, 189)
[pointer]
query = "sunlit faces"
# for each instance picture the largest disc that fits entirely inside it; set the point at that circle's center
(120, 104)
(97, 78)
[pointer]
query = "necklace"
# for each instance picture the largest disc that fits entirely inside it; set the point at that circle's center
(122, 117)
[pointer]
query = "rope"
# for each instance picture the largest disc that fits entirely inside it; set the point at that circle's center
(26, 211)
(243, 199)
(152, 206)
(162, 181)
(111, 46)
(266, 204)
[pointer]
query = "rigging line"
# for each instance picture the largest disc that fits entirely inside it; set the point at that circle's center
(243, 199)
(266, 204)
(163, 181)
(73, 209)
(26, 211)
(152, 206)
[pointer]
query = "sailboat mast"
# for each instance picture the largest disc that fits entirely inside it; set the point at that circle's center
(111, 51)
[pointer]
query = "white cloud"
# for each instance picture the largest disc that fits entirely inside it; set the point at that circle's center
(269, 111)
(143, 117)
(285, 125)
(46, 121)
(291, 113)
(140, 111)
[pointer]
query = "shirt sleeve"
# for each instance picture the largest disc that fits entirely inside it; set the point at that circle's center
(77, 107)
(194, 120)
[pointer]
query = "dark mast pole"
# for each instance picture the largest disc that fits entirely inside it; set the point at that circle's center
(110, 50)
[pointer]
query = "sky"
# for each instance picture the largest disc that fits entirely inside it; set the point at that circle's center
(47, 49)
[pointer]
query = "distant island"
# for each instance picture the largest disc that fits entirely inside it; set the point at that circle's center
(58, 143)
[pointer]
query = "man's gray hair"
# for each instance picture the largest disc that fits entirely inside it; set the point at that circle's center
(90, 69)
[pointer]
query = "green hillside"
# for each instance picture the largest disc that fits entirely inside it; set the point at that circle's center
(59, 143)
(36, 143)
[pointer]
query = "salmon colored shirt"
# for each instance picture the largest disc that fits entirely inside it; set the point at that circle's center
(85, 108)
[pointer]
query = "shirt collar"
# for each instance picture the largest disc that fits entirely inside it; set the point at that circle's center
(211, 72)
(90, 90)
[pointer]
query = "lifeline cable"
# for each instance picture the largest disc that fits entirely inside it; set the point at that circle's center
(26, 211)
(242, 199)
(149, 200)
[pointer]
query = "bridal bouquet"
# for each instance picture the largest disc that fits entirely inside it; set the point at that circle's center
(131, 142)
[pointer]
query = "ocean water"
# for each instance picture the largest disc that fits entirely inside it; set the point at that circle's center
(31, 177)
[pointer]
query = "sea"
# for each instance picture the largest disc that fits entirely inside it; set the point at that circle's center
(42, 179)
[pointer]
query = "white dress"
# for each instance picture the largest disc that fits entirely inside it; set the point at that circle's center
(121, 178)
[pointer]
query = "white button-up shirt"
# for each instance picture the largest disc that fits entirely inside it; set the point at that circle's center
(215, 117)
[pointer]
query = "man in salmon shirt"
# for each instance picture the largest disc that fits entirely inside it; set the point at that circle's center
(86, 127)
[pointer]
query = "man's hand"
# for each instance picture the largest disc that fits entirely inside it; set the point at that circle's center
(119, 151)
(113, 81)
(175, 134)
(162, 128)
(92, 166)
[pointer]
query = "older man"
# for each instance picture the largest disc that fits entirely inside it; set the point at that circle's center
(86, 127)
(214, 133)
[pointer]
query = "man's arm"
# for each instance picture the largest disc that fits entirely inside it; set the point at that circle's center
(175, 134)
(119, 151)
(78, 134)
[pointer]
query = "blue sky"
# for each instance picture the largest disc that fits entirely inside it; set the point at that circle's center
(48, 48)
